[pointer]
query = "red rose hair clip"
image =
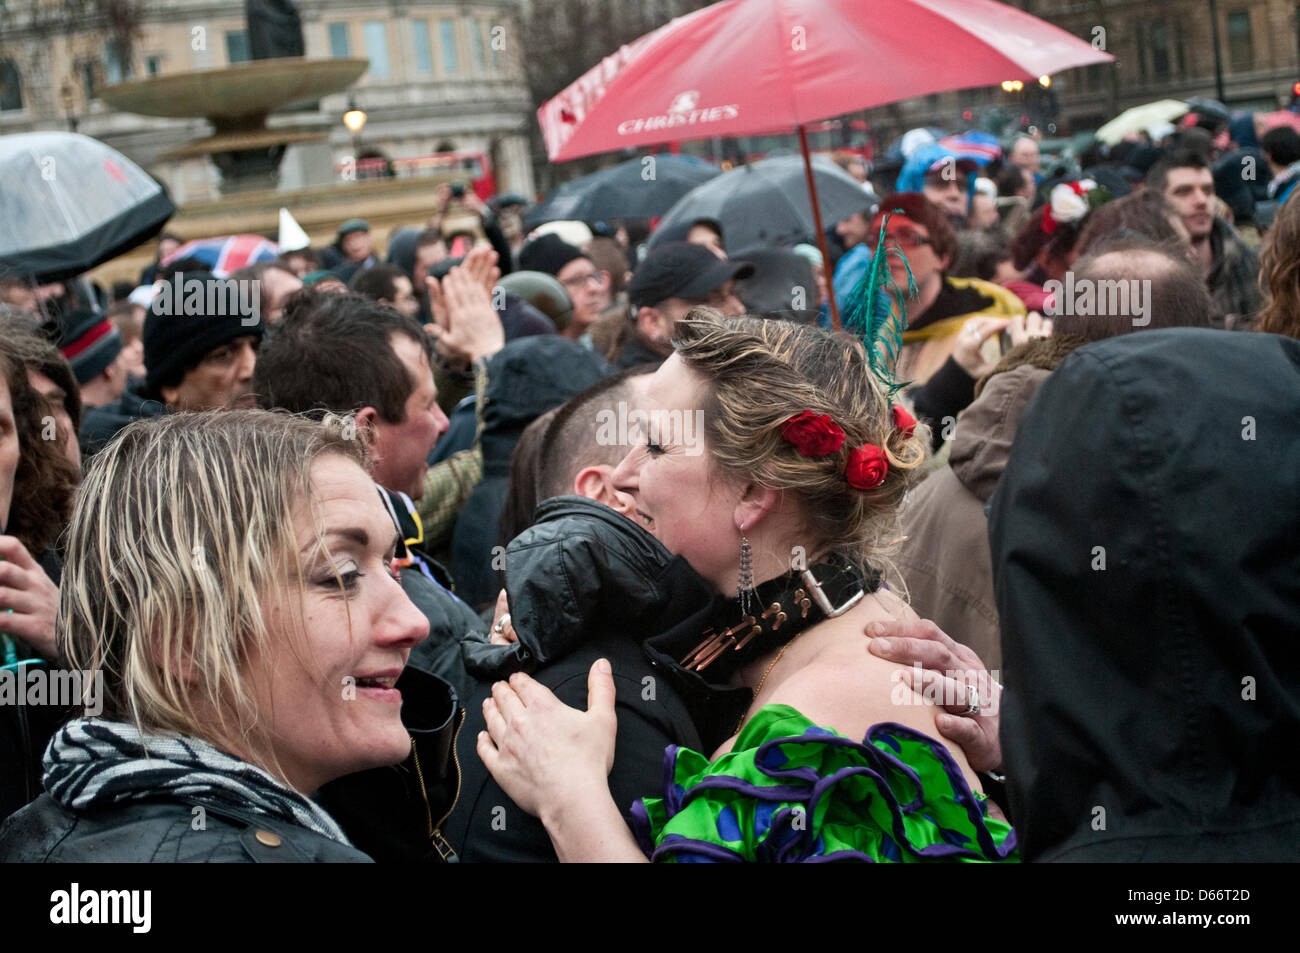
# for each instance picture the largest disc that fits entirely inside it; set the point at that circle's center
(813, 435)
(816, 435)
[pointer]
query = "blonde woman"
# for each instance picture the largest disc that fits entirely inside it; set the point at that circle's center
(806, 461)
(231, 575)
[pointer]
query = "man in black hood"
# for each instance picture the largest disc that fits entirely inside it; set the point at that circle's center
(1144, 542)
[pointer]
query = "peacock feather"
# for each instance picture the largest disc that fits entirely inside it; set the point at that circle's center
(875, 311)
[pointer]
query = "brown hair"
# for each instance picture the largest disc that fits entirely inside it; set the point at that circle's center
(335, 352)
(1279, 274)
(45, 479)
(1145, 215)
(607, 255)
(1178, 297)
(915, 206)
(759, 374)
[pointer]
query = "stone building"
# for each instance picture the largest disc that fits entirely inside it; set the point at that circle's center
(442, 77)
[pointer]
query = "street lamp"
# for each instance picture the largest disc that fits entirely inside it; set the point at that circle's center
(355, 120)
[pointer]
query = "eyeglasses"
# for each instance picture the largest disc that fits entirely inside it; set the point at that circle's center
(910, 239)
(577, 281)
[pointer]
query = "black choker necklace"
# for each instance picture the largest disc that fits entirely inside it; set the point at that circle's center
(782, 608)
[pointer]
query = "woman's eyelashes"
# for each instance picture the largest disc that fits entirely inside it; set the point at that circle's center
(344, 572)
(654, 449)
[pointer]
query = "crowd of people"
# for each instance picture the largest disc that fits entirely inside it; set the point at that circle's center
(593, 542)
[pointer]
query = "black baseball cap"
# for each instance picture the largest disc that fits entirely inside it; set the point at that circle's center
(681, 270)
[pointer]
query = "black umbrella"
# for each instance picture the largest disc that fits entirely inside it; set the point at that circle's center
(70, 203)
(644, 187)
(1209, 107)
(767, 203)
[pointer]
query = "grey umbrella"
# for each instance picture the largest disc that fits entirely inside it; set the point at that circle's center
(767, 203)
(644, 187)
(70, 203)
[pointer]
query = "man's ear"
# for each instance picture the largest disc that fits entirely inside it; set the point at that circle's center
(754, 505)
(169, 395)
(651, 322)
(367, 418)
(595, 483)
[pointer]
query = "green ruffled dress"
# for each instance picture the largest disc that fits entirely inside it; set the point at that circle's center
(791, 791)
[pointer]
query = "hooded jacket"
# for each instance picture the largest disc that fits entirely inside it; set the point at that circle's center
(1145, 538)
(102, 424)
(585, 583)
(526, 378)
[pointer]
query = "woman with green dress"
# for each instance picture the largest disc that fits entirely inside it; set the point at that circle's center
(788, 497)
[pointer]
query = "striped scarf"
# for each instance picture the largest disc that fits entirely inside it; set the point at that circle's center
(93, 763)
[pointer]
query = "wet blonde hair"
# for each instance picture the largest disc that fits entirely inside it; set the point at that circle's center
(759, 374)
(181, 528)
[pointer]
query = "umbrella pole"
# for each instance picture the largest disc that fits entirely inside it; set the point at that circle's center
(817, 222)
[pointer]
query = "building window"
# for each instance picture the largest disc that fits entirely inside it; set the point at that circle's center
(376, 37)
(1142, 52)
(339, 46)
(89, 78)
(423, 50)
(237, 50)
(153, 65)
(447, 36)
(1180, 48)
(11, 87)
(1159, 38)
(496, 42)
(1241, 49)
(1094, 77)
(117, 67)
(476, 42)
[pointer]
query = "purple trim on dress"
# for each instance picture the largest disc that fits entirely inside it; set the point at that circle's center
(669, 773)
(683, 845)
(641, 828)
(778, 845)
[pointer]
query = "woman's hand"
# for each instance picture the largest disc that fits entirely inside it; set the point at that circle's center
(543, 753)
(32, 595)
(947, 669)
(968, 351)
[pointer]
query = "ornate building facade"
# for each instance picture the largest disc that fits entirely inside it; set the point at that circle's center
(442, 77)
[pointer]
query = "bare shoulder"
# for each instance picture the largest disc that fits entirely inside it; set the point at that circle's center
(833, 675)
(836, 682)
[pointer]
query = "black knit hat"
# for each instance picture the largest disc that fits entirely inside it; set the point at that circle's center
(191, 315)
(90, 342)
(548, 254)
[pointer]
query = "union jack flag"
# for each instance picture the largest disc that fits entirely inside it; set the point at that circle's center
(228, 253)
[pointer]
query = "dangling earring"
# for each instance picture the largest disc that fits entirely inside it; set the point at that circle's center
(745, 585)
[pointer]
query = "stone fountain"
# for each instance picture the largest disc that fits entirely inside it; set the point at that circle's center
(237, 100)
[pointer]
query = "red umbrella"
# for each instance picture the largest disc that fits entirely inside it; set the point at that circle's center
(744, 67)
